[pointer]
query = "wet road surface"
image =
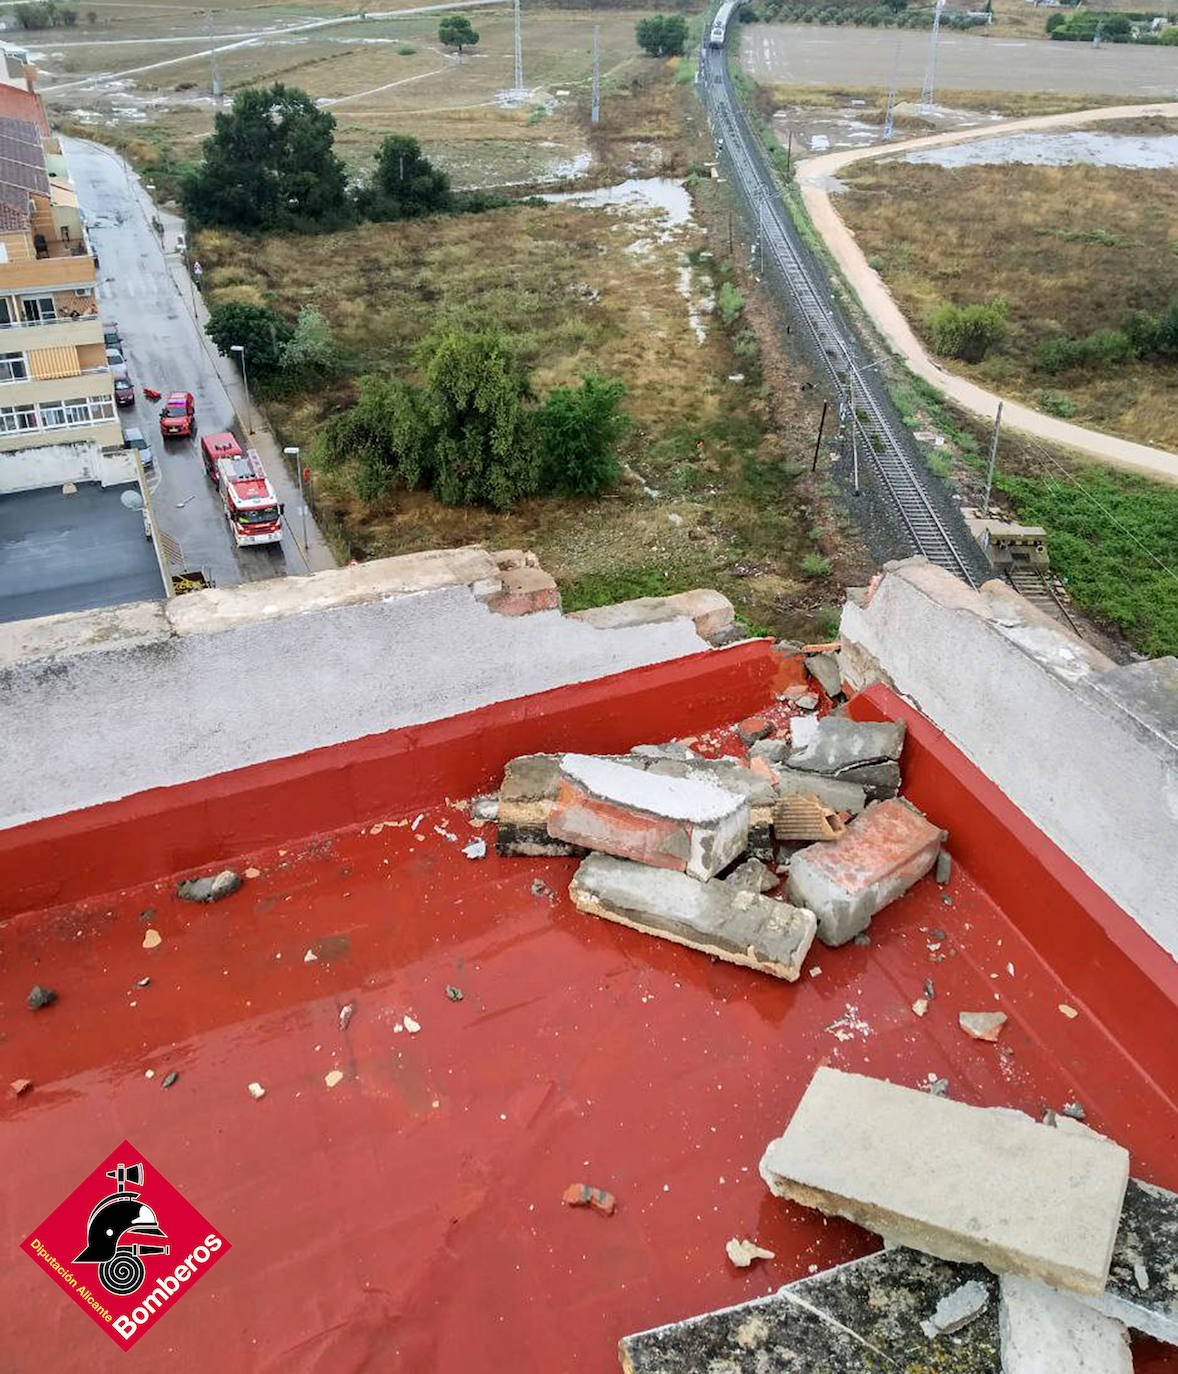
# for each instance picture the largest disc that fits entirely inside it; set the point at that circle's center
(165, 351)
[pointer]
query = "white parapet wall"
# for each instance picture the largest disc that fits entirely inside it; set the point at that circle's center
(1086, 749)
(53, 465)
(103, 704)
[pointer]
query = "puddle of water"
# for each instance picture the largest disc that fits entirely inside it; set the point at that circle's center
(1135, 151)
(655, 193)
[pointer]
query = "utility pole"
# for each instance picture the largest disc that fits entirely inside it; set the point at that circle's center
(213, 57)
(928, 92)
(890, 114)
(990, 465)
(596, 114)
(519, 53)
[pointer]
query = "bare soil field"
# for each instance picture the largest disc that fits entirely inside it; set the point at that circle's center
(1070, 249)
(151, 93)
(717, 490)
(978, 60)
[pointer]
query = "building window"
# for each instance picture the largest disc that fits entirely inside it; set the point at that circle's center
(13, 367)
(77, 412)
(73, 414)
(39, 309)
(53, 415)
(102, 408)
(15, 418)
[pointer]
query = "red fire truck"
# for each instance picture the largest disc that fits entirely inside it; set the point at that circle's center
(251, 507)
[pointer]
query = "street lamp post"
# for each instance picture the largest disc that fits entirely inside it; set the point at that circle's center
(293, 452)
(249, 410)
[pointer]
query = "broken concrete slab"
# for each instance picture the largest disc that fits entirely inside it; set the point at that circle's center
(957, 1309)
(1146, 1248)
(877, 859)
(741, 927)
(688, 824)
(752, 876)
(673, 749)
(956, 1181)
(212, 887)
(866, 752)
(1046, 1332)
(857, 1318)
(800, 817)
(982, 1025)
(530, 785)
(824, 669)
(838, 793)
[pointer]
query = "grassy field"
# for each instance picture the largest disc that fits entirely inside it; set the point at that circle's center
(717, 492)
(1070, 249)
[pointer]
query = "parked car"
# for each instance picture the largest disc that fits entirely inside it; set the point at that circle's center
(115, 360)
(178, 416)
(133, 438)
(124, 390)
(111, 336)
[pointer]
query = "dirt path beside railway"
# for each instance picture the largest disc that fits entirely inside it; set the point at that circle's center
(814, 176)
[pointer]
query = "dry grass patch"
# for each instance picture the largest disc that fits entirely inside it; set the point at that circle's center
(575, 290)
(1071, 250)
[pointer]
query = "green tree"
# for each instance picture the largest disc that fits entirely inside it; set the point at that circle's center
(262, 332)
(310, 351)
(383, 433)
(968, 331)
(580, 429)
(455, 31)
(482, 439)
(405, 185)
(269, 164)
(662, 35)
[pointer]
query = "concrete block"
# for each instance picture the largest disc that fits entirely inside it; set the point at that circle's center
(955, 1181)
(879, 856)
(1046, 1332)
(824, 669)
(853, 1319)
(507, 559)
(839, 794)
(688, 824)
(840, 743)
(530, 785)
(1142, 1289)
(711, 611)
(708, 610)
(526, 590)
(753, 876)
(740, 927)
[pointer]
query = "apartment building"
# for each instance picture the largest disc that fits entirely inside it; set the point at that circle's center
(55, 385)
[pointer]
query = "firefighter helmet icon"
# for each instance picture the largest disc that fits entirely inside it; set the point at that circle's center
(113, 1231)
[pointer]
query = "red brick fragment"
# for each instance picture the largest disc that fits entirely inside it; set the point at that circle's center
(754, 728)
(20, 1086)
(585, 1195)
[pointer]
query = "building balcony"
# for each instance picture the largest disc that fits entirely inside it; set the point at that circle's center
(69, 270)
(23, 335)
(88, 381)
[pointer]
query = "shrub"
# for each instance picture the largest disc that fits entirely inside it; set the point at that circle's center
(967, 331)
(1107, 347)
(1169, 36)
(815, 565)
(730, 303)
(1055, 403)
(311, 351)
(580, 429)
(662, 35)
(262, 332)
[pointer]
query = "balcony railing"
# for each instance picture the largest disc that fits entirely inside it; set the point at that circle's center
(82, 317)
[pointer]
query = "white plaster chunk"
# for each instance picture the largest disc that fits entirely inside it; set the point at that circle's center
(1046, 1332)
(957, 1309)
(956, 1181)
(679, 799)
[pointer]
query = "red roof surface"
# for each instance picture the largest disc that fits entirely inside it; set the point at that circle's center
(23, 105)
(409, 1219)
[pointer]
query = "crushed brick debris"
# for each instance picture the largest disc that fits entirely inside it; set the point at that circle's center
(20, 1086)
(804, 817)
(585, 1195)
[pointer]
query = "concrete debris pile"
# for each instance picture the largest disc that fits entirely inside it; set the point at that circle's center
(1013, 1246)
(689, 848)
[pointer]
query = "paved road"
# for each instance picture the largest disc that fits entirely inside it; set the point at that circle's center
(814, 177)
(165, 351)
(804, 54)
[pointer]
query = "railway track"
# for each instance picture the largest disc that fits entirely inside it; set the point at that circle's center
(1043, 589)
(876, 437)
